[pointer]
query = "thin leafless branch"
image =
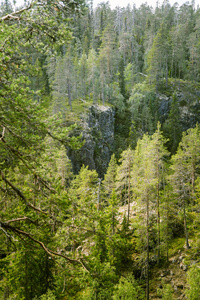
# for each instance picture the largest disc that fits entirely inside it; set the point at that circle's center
(20, 194)
(21, 219)
(20, 156)
(8, 227)
(14, 15)
(2, 134)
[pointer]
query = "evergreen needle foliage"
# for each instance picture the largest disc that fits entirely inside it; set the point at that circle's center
(66, 233)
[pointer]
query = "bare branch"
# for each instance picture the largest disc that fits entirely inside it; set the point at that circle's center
(83, 100)
(20, 156)
(21, 219)
(7, 234)
(4, 43)
(20, 194)
(2, 134)
(82, 228)
(9, 17)
(2, 189)
(13, 133)
(8, 227)
(55, 137)
(14, 15)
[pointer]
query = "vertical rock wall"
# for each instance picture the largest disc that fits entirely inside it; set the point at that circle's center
(98, 133)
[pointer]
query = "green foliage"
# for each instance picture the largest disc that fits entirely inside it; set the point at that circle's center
(159, 54)
(117, 98)
(166, 292)
(71, 237)
(130, 77)
(26, 274)
(48, 296)
(185, 163)
(103, 283)
(128, 288)
(123, 177)
(33, 175)
(109, 182)
(172, 126)
(143, 106)
(193, 279)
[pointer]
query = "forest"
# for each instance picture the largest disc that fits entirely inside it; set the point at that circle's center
(120, 221)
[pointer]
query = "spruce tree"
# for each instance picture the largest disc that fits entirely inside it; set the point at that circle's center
(185, 171)
(123, 178)
(160, 157)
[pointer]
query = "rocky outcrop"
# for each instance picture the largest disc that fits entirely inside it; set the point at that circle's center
(189, 108)
(98, 132)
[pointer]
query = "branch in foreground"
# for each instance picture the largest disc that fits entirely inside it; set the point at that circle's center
(8, 227)
(20, 194)
(2, 134)
(21, 219)
(13, 16)
(31, 169)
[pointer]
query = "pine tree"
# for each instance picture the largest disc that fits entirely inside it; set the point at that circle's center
(83, 194)
(107, 60)
(185, 171)
(128, 288)
(68, 75)
(109, 182)
(193, 277)
(194, 51)
(159, 57)
(160, 154)
(82, 76)
(144, 109)
(35, 198)
(179, 51)
(59, 88)
(123, 178)
(93, 76)
(144, 189)
(172, 125)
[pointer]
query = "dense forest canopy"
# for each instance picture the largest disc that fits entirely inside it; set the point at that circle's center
(117, 235)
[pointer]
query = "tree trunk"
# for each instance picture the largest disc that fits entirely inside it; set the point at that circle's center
(98, 196)
(157, 83)
(158, 208)
(69, 94)
(167, 72)
(158, 222)
(167, 226)
(129, 192)
(185, 226)
(103, 96)
(147, 283)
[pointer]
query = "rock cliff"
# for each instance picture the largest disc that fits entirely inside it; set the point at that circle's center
(188, 105)
(98, 132)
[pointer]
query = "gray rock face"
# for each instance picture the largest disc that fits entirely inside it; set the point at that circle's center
(189, 107)
(164, 107)
(98, 133)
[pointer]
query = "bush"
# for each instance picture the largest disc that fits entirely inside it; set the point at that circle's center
(128, 289)
(193, 280)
